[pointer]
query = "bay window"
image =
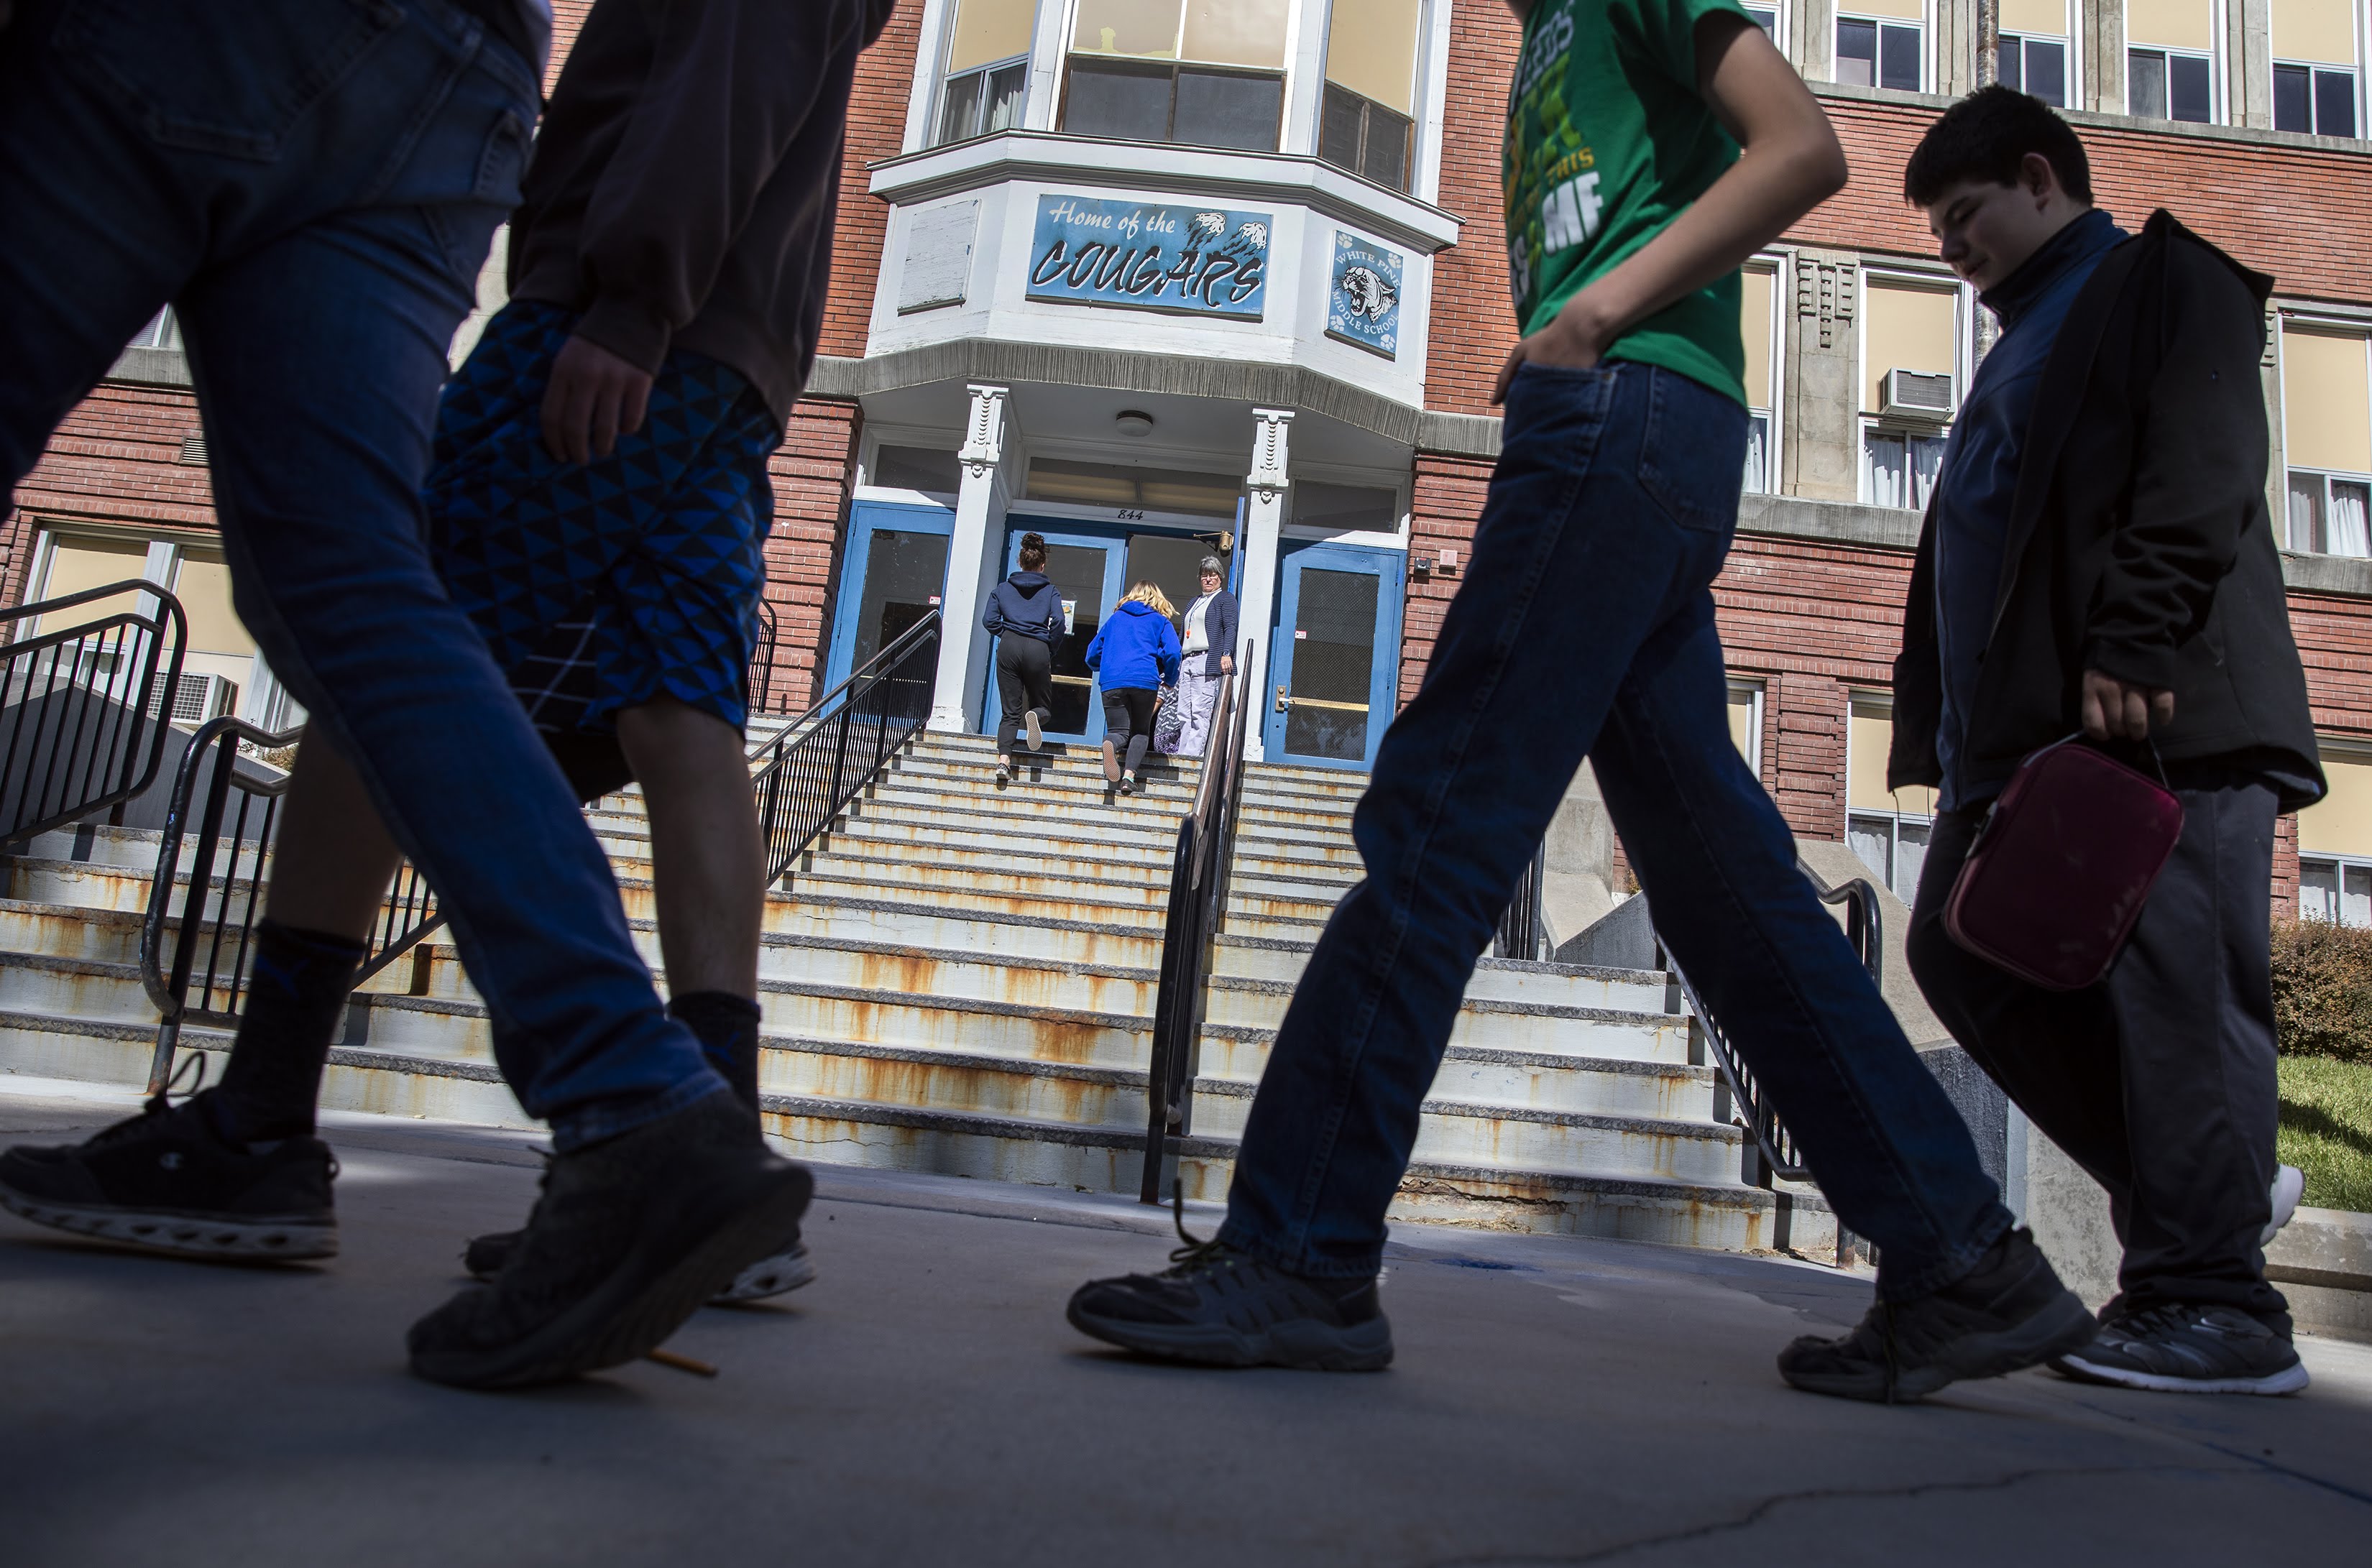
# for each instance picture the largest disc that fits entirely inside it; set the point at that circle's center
(1366, 123)
(987, 68)
(1210, 74)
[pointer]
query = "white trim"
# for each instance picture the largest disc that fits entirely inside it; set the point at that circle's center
(1757, 688)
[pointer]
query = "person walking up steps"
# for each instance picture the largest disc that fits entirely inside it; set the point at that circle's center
(1135, 655)
(317, 289)
(1025, 615)
(1585, 629)
(1209, 658)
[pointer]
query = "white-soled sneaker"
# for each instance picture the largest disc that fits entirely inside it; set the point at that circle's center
(2189, 1350)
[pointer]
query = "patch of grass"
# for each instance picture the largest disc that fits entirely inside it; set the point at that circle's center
(2326, 1129)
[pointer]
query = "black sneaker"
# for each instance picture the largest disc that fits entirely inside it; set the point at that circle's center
(629, 1238)
(1217, 1306)
(778, 1274)
(165, 1180)
(2189, 1350)
(2008, 1313)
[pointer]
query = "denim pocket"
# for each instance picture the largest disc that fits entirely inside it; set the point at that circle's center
(217, 77)
(1693, 452)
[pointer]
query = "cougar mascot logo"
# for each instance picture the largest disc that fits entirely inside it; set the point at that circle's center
(1369, 295)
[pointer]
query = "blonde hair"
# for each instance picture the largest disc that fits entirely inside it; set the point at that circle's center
(1151, 594)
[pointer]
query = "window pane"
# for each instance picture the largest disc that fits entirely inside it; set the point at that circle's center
(1857, 53)
(904, 575)
(1236, 32)
(917, 468)
(1926, 462)
(1872, 840)
(1215, 111)
(1758, 449)
(2008, 59)
(1333, 664)
(1371, 48)
(2334, 103)
(2188, 90)
(1910, 858)
(2345, 532)
(1387, 159)
(1897, 65)
(1148, 29)
(2356, 897)
(2046, 72)
(1006, 89)
(961, 118)
(2145, 82)
(2293, 99)
(2306, 511)
(989, 29)
(1768, 20)
(1882, 462)
(2318, 890)
(1338, 119)
(1129, 103)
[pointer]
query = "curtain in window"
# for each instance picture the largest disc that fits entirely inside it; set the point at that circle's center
(1758, 449)
(2348, 534)
(2305, 505)
(2318, 890)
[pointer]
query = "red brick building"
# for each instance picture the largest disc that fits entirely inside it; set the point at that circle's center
(1318, 412)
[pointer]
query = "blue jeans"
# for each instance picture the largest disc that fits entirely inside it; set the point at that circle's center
(313, 184)
(1585, 629)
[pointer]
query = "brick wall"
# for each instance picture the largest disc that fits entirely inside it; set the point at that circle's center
(877, 124)
(115, 460)
(2283, 210)
(1473, 324)
(813, 472)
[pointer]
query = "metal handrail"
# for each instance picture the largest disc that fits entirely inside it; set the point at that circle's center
(1201, 871)
(101, 715)
(1739, 1096)
(1523, 932)
(830, 753)
(760, 675)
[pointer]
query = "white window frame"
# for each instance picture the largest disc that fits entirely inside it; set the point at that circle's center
(2219, 96)
(1782, 265)
(1782, 23)
(1895, 820)
(2069, 41)
(2355, 71)
(2351, 325)
(2327, 478)
(1868, 424)
(2340, 864)
(1424, 128)
(1926, 26)
(1756, 688)
(1293, 73)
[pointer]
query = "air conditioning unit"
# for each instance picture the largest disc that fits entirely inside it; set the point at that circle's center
(1916, 395)
(202, 697)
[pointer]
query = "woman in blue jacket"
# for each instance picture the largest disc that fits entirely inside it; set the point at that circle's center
(1026, 613)
(1135, 654)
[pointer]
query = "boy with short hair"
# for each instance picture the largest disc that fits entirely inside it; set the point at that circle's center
(1586, 628)
(2097, 556)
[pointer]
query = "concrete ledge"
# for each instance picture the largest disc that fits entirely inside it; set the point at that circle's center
(2088, 120)
(2342, 575)
(2323, 1246)
(1829, 522)
(152, 367)
(1271, 385)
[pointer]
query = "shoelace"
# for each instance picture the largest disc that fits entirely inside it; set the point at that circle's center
(160, 1103)
(1195, 1252)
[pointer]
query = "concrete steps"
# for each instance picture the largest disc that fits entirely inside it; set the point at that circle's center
(961, 977)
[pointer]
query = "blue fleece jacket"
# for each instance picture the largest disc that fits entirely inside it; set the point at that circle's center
(1135, 649)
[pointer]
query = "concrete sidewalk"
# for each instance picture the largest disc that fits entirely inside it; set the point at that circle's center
(1555, 1402)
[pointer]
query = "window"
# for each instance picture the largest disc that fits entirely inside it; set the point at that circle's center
(219, 651)
(932, 471)
(2335, 845)
(2171, 60)
(2315, 67)
(1912, 327)
(2327, 438)
(1767, 18)
(1366, 123)
(1211, 74)
(1746, 722)
(1759, 285)
(1888, 830)
(1884, 48)
(987, 68)
(1123, 485)
(2034, 56)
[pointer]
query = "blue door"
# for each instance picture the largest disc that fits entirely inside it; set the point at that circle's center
(893, 572)
(1334, 664)
(1087, 570)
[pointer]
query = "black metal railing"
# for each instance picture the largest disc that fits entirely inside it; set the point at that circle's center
(1523, 932)
(761, 674)
(85, 709)
(1769, 1153)
(1201, 868)
(810, 772)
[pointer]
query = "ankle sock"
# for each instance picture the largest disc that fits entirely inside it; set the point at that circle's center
(293, 1001)
(726, 1027)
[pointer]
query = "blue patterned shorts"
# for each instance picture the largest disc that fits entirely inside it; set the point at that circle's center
(601, 586)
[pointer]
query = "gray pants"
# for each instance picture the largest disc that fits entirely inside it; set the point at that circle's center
(2159, 1080)
(1198, 699)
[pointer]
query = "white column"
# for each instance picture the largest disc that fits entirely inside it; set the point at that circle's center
(1264, 526)
(972, 562)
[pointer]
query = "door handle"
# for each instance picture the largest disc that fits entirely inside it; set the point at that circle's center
(1283, 698)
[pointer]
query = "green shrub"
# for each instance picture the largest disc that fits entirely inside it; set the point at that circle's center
(2322, 989)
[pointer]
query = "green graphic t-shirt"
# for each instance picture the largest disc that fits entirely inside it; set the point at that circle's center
(1607, 142)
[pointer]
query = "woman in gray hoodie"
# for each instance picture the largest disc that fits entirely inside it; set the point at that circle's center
(1026, 613)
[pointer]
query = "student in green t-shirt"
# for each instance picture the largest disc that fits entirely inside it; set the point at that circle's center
(1652, 146)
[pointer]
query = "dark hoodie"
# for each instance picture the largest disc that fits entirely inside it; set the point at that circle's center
(1026, 605)
(685, 177)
